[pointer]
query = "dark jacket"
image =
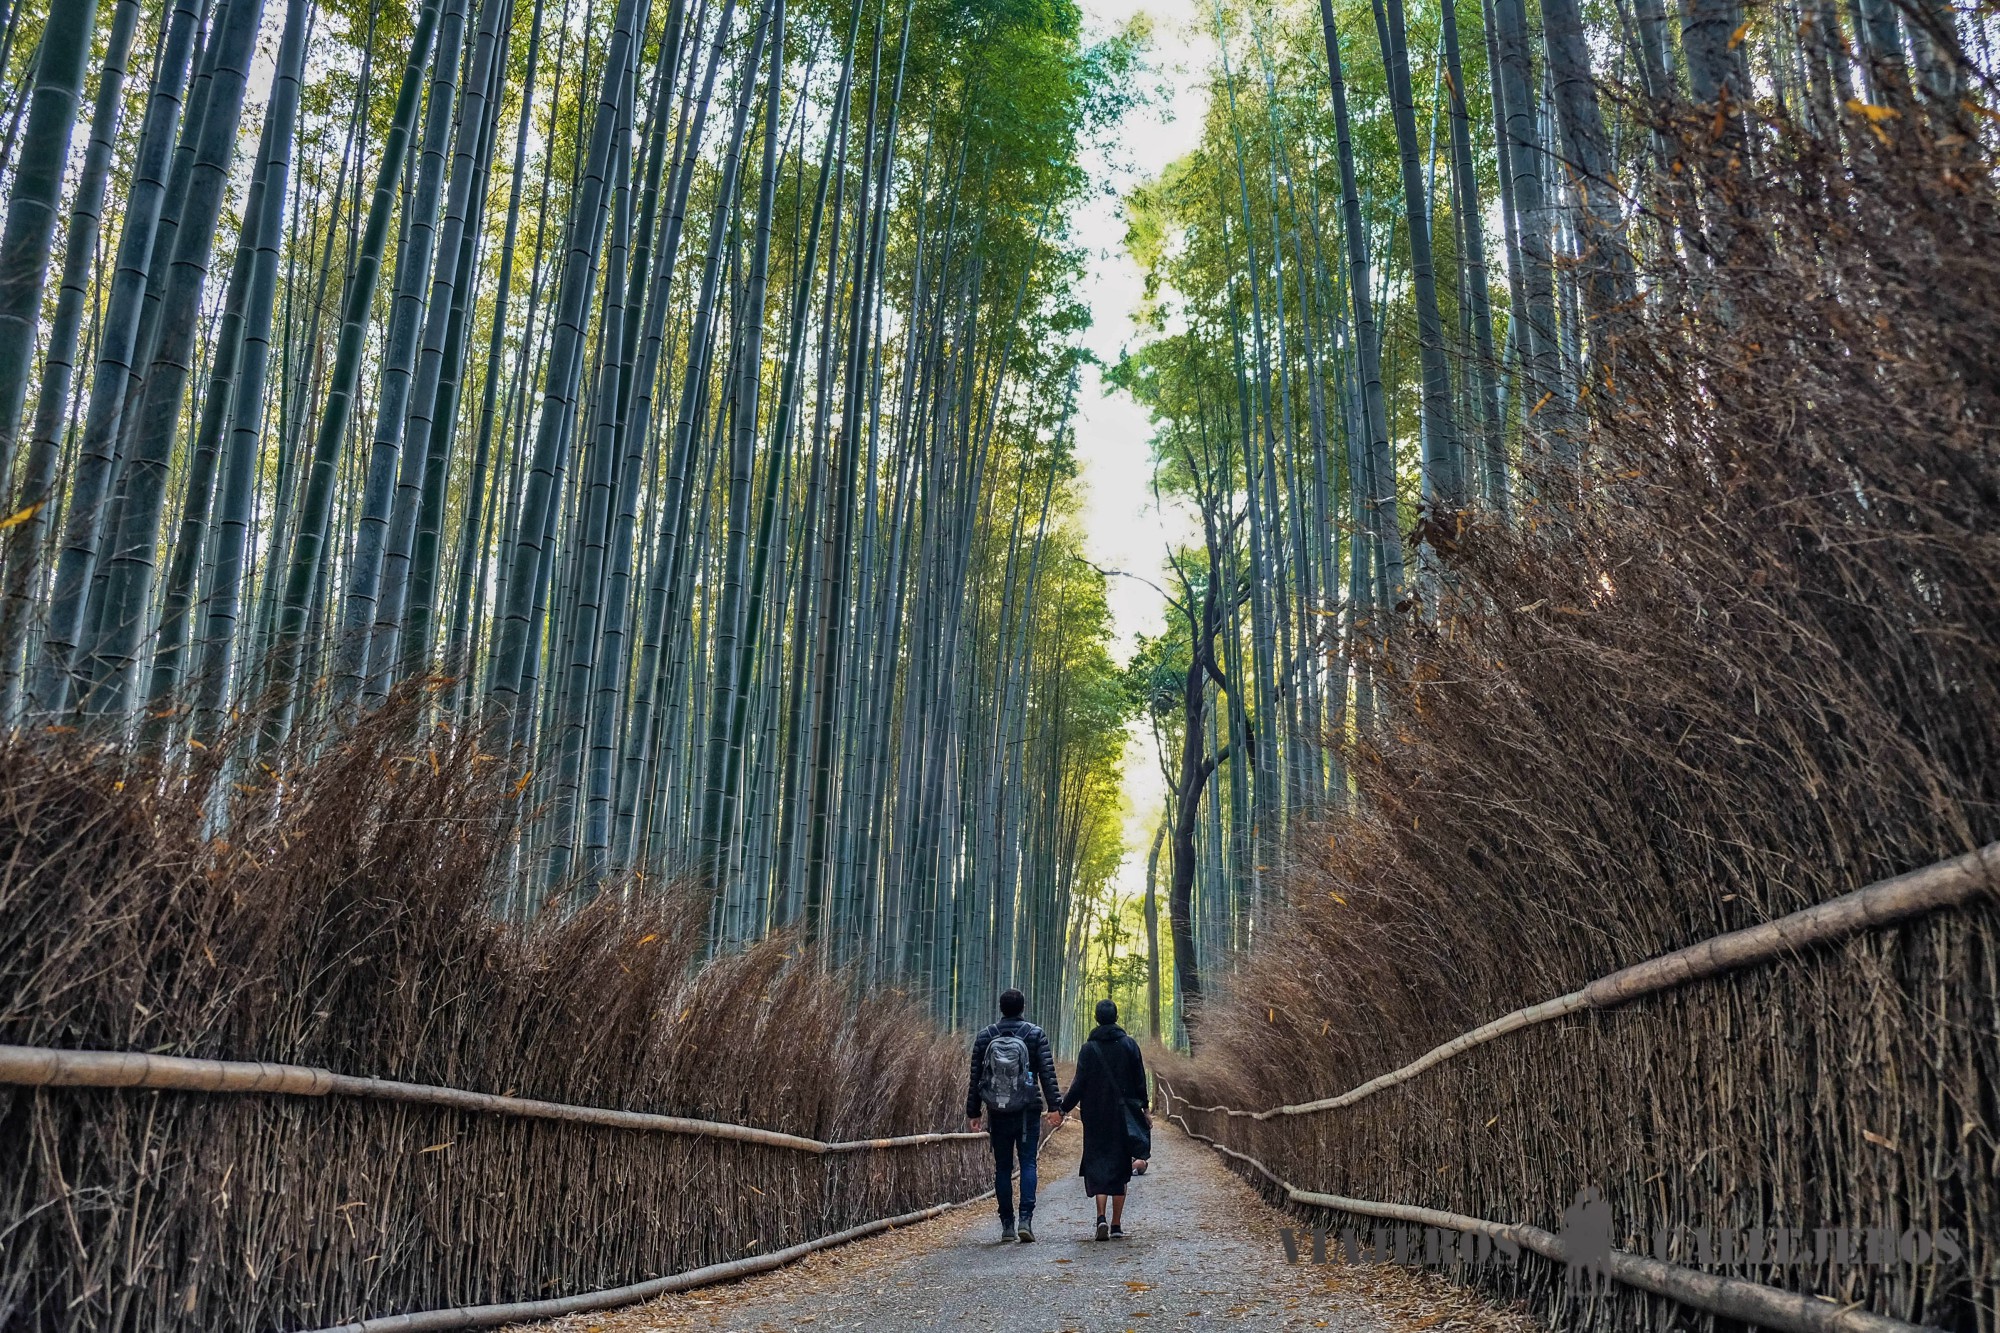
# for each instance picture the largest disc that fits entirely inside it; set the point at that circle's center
(1109, 1073)
(1040, 1059)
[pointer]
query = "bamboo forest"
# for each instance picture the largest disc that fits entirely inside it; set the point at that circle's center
(584, 584)
(745, 543)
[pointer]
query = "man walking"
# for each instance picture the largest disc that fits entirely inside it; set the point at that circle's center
(1013, 1078)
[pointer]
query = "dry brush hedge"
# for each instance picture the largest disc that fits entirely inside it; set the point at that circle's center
(347, 926)
(1755, 667)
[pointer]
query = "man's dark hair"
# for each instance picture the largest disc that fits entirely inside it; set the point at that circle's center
(1107, 1012)
(1012, 1003)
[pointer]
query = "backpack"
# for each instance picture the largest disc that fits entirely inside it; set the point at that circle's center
(1008, 1081)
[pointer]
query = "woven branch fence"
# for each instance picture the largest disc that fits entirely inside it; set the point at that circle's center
(347, 928)
(1766, 1307)
(1955, 883)
(40, 1067)
(355, 1205)
(1847, 1087)
(490, 1316)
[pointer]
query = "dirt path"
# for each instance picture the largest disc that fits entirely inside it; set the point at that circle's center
(1203, 1253)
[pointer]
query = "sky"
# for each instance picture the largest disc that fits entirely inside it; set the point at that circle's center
(1123, 530)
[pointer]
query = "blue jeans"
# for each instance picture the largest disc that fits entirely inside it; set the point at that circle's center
(1010, 1130)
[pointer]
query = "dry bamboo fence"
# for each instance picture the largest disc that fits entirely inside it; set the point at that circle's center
(129, 1069)
(1802, 943)
(41, 1067)
(491, 1316)
(1766, 1307)
(348, 928)
(284, 1202)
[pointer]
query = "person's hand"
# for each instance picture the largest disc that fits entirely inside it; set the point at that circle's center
(1053, 1119)
(975, 1124)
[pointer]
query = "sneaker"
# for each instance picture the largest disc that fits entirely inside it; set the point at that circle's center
(1027, 1231)
(1103, 1231)
(1117, 1232)
(1007, 1231)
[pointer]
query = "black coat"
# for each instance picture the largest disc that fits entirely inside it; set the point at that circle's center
(1109, 1073)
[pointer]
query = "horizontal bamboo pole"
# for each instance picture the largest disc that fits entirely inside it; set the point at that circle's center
(1545, 1012)
(1731, 1297)
(1949, 883)
(42, 1067)
(1945, 884)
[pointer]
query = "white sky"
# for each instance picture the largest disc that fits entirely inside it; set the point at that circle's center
(1123, 529)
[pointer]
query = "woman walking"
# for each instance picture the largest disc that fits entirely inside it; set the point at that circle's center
(1110, 1087)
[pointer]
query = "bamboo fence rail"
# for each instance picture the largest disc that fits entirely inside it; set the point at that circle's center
(1732, 1297)
(45, 1067)
(1949, 883)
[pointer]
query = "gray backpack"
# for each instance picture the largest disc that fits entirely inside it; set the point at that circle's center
(1008, 1081)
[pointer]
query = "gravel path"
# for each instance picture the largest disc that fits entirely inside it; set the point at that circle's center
(1203, 1253)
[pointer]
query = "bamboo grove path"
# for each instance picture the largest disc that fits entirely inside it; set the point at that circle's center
(1204, 1253)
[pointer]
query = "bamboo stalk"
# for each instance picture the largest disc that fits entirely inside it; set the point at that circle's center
(36, 1066)
(1714, 1293)
(41, 1067)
